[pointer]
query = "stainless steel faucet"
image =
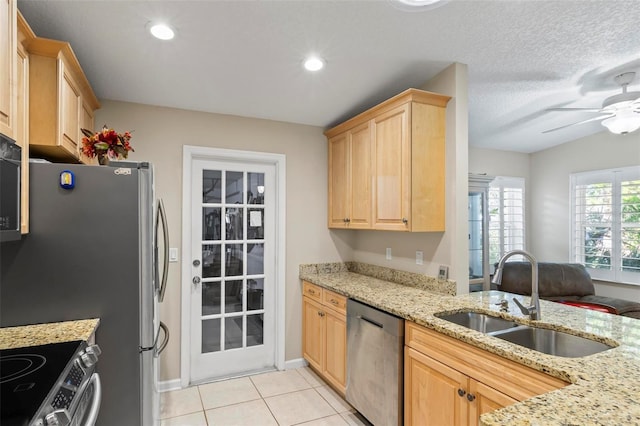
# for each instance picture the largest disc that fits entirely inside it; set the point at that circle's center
(534, 310)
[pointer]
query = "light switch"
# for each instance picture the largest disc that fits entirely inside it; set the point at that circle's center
(173, 254)
(419, 257)
(388, 253)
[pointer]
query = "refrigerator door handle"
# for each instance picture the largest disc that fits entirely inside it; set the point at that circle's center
(162, 216)
(164, 343)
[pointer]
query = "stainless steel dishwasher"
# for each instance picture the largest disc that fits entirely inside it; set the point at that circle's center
(375, 341)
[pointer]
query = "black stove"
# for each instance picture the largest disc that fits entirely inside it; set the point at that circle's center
(41, 385)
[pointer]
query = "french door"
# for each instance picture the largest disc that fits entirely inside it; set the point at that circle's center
(232, 294)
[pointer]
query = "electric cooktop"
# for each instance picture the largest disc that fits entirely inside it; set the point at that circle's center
(29, 375)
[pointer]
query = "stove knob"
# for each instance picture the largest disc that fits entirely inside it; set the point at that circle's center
(94, 349)
(58, 418)
(90, 355)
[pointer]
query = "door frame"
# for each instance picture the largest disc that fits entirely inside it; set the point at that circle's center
(189, 153)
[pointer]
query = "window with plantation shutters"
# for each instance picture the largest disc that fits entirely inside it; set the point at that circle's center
(506, 217)
(605, 232)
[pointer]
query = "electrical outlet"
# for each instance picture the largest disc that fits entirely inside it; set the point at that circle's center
(443, 272)
(388, 253)
(419, 257)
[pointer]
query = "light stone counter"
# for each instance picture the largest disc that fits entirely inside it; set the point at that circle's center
(604, 389)
(42, 334)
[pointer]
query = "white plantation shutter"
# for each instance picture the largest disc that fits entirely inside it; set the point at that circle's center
(605, 231)
(506, 217)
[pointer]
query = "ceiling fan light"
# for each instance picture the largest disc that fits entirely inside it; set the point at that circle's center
(622, 124)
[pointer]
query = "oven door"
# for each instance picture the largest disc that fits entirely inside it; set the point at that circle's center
(87, 412)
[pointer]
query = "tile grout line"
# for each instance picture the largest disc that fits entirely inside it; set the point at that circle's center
(204, 413)
(263, 399)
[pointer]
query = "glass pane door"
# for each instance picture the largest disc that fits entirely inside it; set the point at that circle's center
(233, 217)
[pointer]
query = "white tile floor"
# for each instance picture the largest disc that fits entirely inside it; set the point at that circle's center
(280, 398)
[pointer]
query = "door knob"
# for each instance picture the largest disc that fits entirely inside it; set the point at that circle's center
(196, 262)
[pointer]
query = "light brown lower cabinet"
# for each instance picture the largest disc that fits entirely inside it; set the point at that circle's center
(448, 382)
(324, 335)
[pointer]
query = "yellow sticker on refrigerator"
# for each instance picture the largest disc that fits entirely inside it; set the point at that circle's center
(67, 179)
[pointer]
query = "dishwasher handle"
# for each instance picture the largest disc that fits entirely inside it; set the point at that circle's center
(370, 321)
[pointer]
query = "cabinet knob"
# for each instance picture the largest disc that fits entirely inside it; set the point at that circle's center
(471, 397)
(347, 220)
(405, 220)
(461, 392)
(321, 313)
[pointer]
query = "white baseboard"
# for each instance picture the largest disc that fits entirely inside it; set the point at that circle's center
(175, 384)
(295, 363)
(169, 385)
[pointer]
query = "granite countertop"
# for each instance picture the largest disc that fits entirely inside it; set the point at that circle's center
(42, 334)
(604, 388)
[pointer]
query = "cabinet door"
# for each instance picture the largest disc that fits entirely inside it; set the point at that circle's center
(392, 172)
(22, 131)
(339, 181)
(485, 399)
(7, 66)
(431, 392)
(336, 349)
(86, 122)
(360, 178)
(313, 333)
(70, 105)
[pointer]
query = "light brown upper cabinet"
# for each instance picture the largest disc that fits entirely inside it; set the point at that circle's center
(8, 68)
(350, 179)
(60, 101)
(22, 116)
(387, 166)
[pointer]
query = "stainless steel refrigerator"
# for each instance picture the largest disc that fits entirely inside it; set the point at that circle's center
(92, 252)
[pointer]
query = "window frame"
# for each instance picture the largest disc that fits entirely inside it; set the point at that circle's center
(499, 184)
(615, 177)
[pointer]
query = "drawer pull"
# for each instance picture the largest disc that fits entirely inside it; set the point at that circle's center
(334, 302)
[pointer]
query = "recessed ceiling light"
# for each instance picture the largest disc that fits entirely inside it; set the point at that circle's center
(162, 31)
(417, 5)
(313, 63)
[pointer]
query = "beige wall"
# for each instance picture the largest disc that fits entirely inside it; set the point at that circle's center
(549, 197)
(547, 190)
(158, 137)
(504, 163)
(451, 247)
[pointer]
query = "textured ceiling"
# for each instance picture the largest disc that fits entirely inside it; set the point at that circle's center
(244, 57)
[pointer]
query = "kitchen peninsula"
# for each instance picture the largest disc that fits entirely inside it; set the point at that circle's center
(602, 388)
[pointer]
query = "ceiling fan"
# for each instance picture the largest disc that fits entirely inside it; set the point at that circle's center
(619, 113)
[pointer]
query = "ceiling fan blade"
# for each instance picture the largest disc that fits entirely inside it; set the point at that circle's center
(602, 117)
(576, 109)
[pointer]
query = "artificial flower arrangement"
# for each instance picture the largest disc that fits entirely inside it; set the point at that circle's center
(106, 143)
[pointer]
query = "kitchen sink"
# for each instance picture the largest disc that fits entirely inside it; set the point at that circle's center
(478, 321)
(552, 342)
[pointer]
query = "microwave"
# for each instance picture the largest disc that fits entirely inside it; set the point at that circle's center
(10, 165)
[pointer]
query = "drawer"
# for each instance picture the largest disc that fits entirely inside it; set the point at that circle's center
(312, 291)
(335, 300)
